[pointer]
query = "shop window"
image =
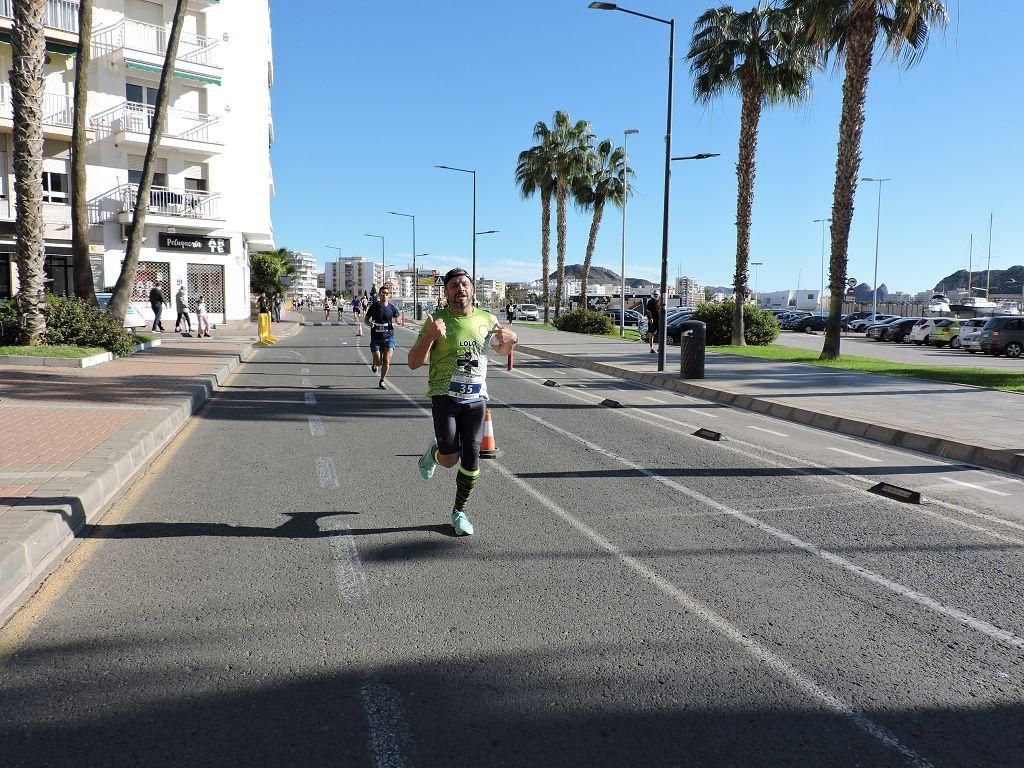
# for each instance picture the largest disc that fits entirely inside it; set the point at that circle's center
(60, 279)
(55, 187)
(148, 274)
(5, 276)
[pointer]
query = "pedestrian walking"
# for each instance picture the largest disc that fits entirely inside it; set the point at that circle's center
(202, 319)
(381, 317)
(156, 303)
(510, 312)
(327, 309)
(652, 311)
(278, 301)
(181, 305)
(454, 342)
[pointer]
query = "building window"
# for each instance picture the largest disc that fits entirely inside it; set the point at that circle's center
(55, 187)
(159, 179)
(197, 185)
(60, 279)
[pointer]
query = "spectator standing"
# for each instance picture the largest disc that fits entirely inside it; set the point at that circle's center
(510, 312)
(181, 305)
(278, 301)
(652, 311)
(156, 303)
(202, 319)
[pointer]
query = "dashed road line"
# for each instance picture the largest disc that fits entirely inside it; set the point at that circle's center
(305, 370)
(316, 426)
(855, 455)
(972, 485)
(657, 400)
(390, 738)
(307, 382)
(328, 473)
(769, 431)
(310, 398)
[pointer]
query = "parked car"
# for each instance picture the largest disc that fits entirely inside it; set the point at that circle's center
(943, 332)
(854, 316)
(632, 317)
(972, 326)
(919, 333)
(861, 325)
(1003, 336)
(877, 330)
(971, 342)
(133, 317)
(808, 323)
(527, 312)
(897, 330)
(674, 327)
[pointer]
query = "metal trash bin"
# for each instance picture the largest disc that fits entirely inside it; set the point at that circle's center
(692, 343)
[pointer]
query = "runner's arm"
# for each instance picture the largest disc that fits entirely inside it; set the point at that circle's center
(420, 352)
(506, 339)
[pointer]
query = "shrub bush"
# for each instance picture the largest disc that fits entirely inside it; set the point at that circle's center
(72, 321)
(584, 321)
(759, 326)
(8, 322)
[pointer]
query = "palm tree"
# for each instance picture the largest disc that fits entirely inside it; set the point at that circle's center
(84, 286)
(606, 180)
(849, 30)
(535, 172)
(756, 54)
(136, 233)
(29, 56)
(569, 145)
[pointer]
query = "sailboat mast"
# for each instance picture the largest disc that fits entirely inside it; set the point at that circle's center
(970, 258)
(988, 281)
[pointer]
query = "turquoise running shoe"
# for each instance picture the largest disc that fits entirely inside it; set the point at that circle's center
(461, 523)
(427, 463)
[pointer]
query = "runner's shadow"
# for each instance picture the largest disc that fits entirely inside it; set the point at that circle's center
(300, 525)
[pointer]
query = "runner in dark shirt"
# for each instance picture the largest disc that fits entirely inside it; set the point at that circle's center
(381, 317)
(652, 311)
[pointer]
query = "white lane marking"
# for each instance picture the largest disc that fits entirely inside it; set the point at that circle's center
(769, 431)
(328, 474)
(316, 426)
(728, 630)
(304, 370)
(348, 569)
(719, 623)
(390, 737)
(307, 382)
(310, 398)
(855, 455)
(657, 399)
(972, 622)
(972, 485)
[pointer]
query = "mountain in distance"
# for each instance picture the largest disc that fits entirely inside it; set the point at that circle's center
(1009, 280)
(863, 291)
(600, 276)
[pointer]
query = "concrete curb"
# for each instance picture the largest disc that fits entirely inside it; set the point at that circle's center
(41, 528)
(993, 458)
(71, 362)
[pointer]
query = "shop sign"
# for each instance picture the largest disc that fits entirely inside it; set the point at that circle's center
(168, 241)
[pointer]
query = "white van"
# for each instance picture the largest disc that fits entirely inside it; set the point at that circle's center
(527, 312)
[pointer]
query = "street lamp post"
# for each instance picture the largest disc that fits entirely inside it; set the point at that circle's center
(333, 248)
(668, 161)
(821, 296)
(878, 227)
(625, 196)
(475, 233)
(698, 156)
(415, 274)
(383, 258)
(755, 265)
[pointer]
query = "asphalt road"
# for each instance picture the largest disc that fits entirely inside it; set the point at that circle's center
(282, 589)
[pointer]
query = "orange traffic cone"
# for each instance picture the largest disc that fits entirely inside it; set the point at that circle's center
(488, 450)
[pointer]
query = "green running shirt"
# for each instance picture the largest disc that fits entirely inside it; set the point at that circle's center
(458, 362)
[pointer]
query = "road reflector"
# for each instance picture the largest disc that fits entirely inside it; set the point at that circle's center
(550, 383)
(611, 403)
(896, 492)
(708, 434)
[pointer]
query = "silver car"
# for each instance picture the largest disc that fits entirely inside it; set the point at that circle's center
(971, 342)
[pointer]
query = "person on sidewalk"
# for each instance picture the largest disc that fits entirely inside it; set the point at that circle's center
(181, 305)
(278, 302)
(156, 303)
(202, 319)
(510, 312)
(381, 317)
(454, 341)
(652, 311)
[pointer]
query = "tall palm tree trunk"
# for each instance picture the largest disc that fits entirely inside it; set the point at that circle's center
(746, 170)
(561, 197)
(595, 226)
(859, 53)
(545, 245)
(136, 233)
(28, 60)
(84, 286)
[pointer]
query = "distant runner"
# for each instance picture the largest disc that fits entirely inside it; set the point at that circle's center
(381, 317)
(356, 314)
(454, 340)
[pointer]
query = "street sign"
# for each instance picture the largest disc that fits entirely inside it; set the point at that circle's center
(851, 282)
(851, 293)
(439, 280)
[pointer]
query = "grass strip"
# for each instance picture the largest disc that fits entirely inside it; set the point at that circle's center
(54, 351)
(1007, 381)
(632, 334)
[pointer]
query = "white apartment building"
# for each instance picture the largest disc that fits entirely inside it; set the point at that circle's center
(490, 291)
(304, 281)
(353, 275)
(689, 291)
(210, 202)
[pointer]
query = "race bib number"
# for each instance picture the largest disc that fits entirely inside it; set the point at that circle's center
(382, 328)
(465, 386)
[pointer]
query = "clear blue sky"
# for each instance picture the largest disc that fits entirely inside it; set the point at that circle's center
(370, 96)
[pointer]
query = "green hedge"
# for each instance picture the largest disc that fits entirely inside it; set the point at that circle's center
(584, 321)
(8, 322)
(759, 326)
(78, 323)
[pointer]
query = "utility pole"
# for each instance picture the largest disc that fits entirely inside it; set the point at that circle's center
(988, 279)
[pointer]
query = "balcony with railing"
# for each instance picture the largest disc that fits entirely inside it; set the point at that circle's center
(150, 41)
(60, 14)
(174, 204)
(132, 122)
(58, 109)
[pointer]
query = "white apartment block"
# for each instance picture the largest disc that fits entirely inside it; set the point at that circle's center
(353, 275)
(490, 291)
(689, 291)
(210, 203)
(304, 281)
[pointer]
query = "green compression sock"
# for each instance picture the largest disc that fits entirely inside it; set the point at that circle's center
(465, 482)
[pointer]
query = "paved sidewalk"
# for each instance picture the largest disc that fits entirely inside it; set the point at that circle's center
(979, 426)
(73, 438)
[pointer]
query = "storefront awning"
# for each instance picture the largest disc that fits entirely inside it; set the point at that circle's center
(53, 47)
(155, 70)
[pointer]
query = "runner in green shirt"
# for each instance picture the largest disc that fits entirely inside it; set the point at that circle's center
(454, 341)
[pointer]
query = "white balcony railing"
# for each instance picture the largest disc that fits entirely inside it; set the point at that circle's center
(60, 14)
(164, 201)
(58, 108)
(150, 38)
(181, 124)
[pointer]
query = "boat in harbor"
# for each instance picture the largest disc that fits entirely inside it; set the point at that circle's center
(1007, 308)
(975, 306)
(938, 306)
